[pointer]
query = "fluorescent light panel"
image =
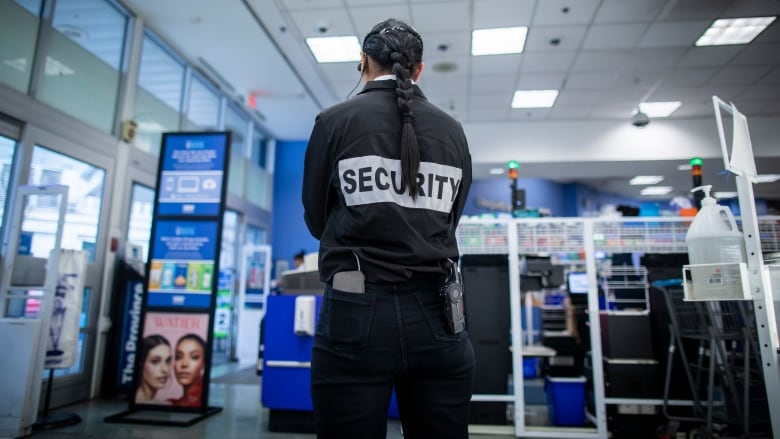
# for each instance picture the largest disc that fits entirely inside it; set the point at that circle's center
(534, 98)
(496, 171)
(725, 195)
(656, 190)
(767, 178)
(659, 109)
(334, 49)
(734, 31)
(498, 41)
(646, 179)
(684, 167)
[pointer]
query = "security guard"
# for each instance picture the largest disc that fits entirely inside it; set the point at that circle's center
(385, 181)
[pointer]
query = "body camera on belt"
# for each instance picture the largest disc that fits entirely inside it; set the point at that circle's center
(452, 297)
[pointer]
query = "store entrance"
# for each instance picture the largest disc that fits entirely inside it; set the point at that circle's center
(43, 159)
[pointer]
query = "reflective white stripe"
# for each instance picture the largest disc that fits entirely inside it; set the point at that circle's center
(374, 179)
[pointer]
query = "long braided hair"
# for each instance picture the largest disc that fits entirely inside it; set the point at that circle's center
(396, 46)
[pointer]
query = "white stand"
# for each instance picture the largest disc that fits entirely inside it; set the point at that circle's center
(22, 364)
(741, 163)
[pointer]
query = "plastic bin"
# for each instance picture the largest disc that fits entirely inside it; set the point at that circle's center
(565, 400)
(530, 367)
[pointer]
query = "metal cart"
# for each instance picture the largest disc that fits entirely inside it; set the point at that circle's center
(717, 345)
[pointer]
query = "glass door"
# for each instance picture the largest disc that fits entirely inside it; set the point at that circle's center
(51, 160)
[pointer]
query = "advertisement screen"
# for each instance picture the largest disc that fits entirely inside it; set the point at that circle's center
(192, 173)
(181, 272)
(172, 360)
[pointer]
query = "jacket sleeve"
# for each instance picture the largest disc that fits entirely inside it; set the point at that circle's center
(465, 184)
(316, 180)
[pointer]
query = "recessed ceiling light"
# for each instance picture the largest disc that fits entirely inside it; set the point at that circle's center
(498, 41)
(685, 167)
(733, 31)
(534, 98)
(334, 49)
(646, 179)
(496, 171)
(659, 109)
(724, 195)
(656, 190)
(767, 178)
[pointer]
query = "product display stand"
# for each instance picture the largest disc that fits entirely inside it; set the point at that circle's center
(25, 337)
(54, 420)
(741, 163)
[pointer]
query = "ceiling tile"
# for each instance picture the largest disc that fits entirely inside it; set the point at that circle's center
(689, 76)
(577, 98)
(367, 2)
(443, 45)
(598, 60)
(452, 104)
(309, 21)
(340, 71)
(772, 78)
(674, 34)
(495, 64)
(700, 108)
(367, 17)
(487, 115)
(443, 85)
(492, 84)
(693, 10)
(751, 8)
(589, 80)
(563, 110)
(433, 68)
(666, 92)
(546, 81)
(294, 5)
(529, 113)
(759, 91)
(709, 56)
(770, 34)
(551, 12)
(342, 89)
(613, 109)
(490, 100)
(753, 107)
(569, 38)
(759, 54)
(613, 36)
(502, 13)
(628, 11)
(739, 75)
(653, 58)
(547, 61)
(724, 92)
(430, 17)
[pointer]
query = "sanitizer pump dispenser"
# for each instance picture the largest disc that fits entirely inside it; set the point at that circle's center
(713, 237)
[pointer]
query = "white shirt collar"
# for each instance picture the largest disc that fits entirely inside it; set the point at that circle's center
(385, 77)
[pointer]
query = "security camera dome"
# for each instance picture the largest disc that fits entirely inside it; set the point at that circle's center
(640, 119)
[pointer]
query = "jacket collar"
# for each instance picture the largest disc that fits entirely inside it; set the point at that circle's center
(388, 84)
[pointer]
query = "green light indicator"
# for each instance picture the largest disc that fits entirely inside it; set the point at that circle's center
(512, 164)
(696, 161)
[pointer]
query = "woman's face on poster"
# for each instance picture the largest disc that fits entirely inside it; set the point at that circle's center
(157, 366)
(189, 362)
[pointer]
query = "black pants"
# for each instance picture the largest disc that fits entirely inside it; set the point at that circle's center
(392, 336)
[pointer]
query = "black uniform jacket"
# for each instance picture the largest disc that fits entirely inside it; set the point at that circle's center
(352, 187)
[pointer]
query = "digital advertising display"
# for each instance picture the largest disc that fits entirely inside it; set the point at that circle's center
(172, 359)
(192, 173)
(181, 272)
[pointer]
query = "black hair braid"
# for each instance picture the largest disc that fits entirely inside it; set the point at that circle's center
(396, 46)
(410, 149)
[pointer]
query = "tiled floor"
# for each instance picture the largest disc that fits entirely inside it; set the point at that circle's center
(242, 417)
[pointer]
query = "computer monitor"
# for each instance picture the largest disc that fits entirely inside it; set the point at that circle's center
(578, 282)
